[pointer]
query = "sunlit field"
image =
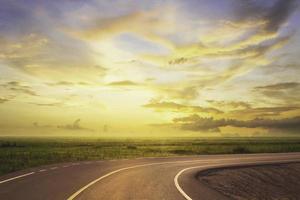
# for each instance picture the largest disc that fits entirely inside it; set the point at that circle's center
(21, 153)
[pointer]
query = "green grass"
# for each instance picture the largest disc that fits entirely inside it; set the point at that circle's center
(22, 153)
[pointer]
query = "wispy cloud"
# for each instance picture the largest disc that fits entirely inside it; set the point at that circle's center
(3, 100)
(19, 88)
(279, 86)
(273, 16)
(265, 111)
(123, 83)
(69, 83)
(47, 104)
(172, 106)
(74, 126)
(285, 92)
(231, 104)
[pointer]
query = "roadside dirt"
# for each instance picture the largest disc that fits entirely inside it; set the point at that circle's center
(280, 182)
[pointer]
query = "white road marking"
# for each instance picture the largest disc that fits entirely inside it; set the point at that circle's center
(10, 179)
(66, 166)
(53, 168)
(75, 164)
(187, 197)
(42, 170)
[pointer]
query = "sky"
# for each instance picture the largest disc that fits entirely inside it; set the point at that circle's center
(149, 68)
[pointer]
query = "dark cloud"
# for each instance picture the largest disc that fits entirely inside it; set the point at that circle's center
(123, 83)
(197, 123)
(74, 126)
(24, 90)
(231, 104)
(274, 15)
(279, 86)
(171, 106)
(279, 14)
(3, 100)
(62, 83)
(47, 104)
(247, 10)
(68, 83)
(286, 92)
(19, 88)
(266, 111)
(178, 61)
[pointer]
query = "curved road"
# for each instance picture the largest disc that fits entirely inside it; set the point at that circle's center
(143, 178)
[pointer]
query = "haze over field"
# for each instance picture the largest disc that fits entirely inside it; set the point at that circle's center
(149, 68)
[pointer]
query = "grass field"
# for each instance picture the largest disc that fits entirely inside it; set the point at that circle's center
(21, 153)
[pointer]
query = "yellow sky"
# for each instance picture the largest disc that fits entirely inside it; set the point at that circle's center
(149, 68)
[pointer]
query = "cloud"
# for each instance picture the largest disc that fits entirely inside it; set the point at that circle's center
(144, 23)
(3, 100)
(235, 60)
(279, 14)
(172, 91)
(47, 104)
(49, 58)
(197, 123)
(171, 106)
(231, 104)
(62, 83)
(25, 47)
(285, 92)
(279, 86)
(123, 83)
(255, 45)
(68, 83)
(17, 87)
(273, 16)
(258, 50)
(19, 53)
(178, 61)
(74, 126)
(265, 111)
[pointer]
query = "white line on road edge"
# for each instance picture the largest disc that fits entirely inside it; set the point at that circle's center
(187, 197)
(73, 196)
(53, 168)
(10, 179)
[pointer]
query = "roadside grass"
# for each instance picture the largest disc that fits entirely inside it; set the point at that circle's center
(22, 153)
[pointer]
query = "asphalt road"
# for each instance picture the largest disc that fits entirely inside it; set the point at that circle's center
(145, 178)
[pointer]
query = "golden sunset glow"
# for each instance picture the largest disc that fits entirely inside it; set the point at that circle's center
(150, 68)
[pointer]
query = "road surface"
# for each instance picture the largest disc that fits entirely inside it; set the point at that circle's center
(143, 178)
